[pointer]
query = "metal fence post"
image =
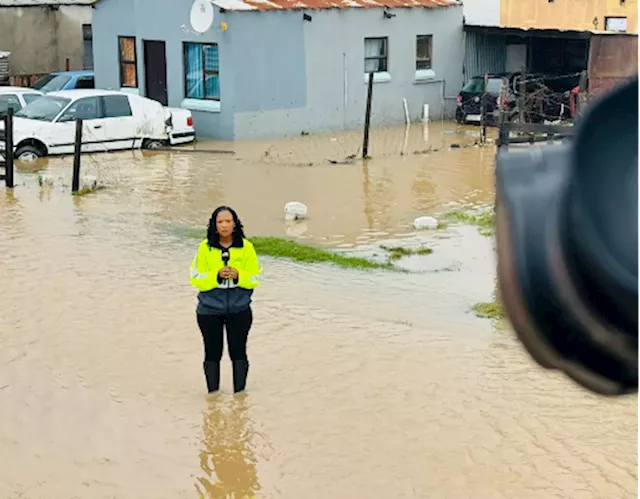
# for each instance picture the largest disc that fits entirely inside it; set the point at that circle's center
(77, 151)
(367, 118)
(8, 150)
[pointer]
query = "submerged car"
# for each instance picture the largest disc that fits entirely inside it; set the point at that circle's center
(112, 120)
(65, 80)
(16, 98)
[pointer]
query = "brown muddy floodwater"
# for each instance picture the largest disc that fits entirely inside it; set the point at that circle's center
(363, 385)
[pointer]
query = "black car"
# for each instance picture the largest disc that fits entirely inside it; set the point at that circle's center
(470, 99)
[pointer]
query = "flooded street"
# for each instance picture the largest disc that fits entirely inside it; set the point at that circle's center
(362, 384)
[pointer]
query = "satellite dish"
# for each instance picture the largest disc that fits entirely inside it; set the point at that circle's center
(201, 15)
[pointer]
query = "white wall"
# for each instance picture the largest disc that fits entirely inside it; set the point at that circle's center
(482, 12)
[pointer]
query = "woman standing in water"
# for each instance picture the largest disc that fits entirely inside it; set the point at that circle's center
(226, 271)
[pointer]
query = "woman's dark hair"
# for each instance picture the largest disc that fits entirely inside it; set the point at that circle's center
(213, 238)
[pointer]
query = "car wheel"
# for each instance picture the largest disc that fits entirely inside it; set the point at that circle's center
(28, 154)
(154, 144)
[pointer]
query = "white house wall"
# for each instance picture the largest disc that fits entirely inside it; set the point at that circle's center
(482, 12)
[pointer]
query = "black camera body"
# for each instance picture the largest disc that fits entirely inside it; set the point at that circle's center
(567, 241)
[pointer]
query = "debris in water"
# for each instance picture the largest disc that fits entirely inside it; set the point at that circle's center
(346, 161)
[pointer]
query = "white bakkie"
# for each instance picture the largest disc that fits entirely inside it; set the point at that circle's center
(112, 120)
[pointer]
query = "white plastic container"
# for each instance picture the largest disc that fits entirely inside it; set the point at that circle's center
(425, 223)
(295, 210)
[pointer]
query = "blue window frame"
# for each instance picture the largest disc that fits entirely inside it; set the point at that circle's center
(201, 71)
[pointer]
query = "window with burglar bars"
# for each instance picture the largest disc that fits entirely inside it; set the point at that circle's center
(376, 55)
(128, 65)
(201, 71)
(424, 51)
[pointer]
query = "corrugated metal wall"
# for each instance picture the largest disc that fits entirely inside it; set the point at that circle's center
(484, 54)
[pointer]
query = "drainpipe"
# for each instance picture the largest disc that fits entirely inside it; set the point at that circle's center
(344, 91)
(464, 55)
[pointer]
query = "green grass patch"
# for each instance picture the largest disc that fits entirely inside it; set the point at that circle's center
(397, 252)
(88, 190)
(277, 247)
(485, 221)
(284, 248)
(491, 310)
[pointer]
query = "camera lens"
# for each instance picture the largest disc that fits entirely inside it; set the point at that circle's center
(601, 219)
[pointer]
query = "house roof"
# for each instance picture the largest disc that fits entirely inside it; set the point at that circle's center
(328, 4)
(37, 3)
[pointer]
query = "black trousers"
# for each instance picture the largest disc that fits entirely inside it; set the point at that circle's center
(237, 326)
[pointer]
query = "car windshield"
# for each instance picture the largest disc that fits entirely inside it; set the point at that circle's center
(43, 109)
(476, 85)
(29, 98)
(51, 83)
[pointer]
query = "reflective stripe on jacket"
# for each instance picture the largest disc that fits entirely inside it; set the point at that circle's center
(221, 297)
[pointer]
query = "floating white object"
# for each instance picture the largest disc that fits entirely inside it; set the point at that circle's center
(294, 210)
(201, 15)
(425, 113)
(425, 223)
(407, 121)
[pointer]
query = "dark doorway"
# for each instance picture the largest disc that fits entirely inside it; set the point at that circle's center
(155, 70)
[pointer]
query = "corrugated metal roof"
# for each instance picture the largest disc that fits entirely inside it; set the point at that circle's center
(37, 3)
(329, 4)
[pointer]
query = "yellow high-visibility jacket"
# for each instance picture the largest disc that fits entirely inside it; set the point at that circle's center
(229, 296)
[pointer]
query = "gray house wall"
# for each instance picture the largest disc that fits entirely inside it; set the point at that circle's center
(280, 75)
(40, 38)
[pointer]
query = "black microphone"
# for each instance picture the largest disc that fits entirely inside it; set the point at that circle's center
(225, 261)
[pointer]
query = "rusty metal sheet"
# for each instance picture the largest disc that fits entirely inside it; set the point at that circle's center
(239, 5)
(612, 60)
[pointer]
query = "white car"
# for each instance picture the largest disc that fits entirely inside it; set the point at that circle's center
(16, 98)
(111, 121)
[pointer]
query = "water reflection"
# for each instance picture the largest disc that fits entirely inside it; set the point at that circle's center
(227, 459)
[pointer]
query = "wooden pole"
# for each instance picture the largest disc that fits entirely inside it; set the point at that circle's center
(522, 88)
(503, 137)
(77, 151)
(8, 150)
(483, 111)
(581, 101)
(367, 118)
